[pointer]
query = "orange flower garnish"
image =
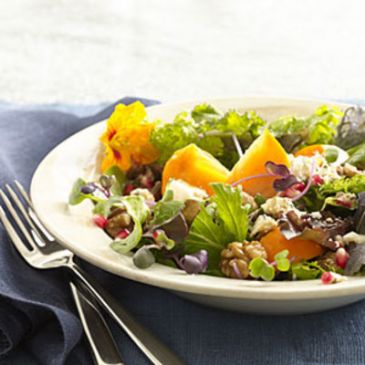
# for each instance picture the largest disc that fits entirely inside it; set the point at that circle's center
(127, 138)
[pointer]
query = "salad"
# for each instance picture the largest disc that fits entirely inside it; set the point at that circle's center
(233, 195)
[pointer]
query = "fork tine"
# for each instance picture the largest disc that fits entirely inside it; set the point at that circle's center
(23, 192)
(14, 237)
(35, 232)
(32, 213)
(17, 219)
(20, 206)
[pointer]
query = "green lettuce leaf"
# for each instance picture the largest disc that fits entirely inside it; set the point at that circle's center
(165, 210)
(306, 270)
(76, 196)
(297, 132)
(223, 221)
(357, 156)
(233, 215)
(139, 211)
(206, 234)
(120, 179)
(104, 207)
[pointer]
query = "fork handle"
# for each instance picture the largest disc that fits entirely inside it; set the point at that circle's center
(157, 352)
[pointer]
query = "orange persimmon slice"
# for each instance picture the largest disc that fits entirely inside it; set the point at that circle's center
(263, 149)
(194, 166)
(310, 151)
(299, 249)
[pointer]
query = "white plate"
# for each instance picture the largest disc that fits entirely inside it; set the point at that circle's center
(75, 157)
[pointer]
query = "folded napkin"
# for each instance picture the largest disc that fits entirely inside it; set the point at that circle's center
(38, 322)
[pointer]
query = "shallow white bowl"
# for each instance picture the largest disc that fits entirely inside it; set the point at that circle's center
(76, 157)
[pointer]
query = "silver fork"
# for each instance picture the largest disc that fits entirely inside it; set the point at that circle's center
(46, 253)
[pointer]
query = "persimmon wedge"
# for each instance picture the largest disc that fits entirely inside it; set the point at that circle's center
(194, 166)
(252, 163)
(310, 151)
(299, 249)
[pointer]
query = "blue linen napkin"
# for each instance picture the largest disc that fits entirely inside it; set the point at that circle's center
(38, 322)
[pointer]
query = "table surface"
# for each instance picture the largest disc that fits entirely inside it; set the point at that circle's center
(89, 51)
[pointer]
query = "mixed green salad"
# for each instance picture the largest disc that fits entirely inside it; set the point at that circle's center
(233, 195)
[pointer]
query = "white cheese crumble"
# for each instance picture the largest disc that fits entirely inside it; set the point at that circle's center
(263, 224)
(277, 206)
(354, 237)
(328, 172)
(183, 191)
(144, 193)
(301, 166)
(316, 215)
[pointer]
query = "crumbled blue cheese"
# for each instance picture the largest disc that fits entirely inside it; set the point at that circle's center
(277, 206)
(353, 237)
(316, 215)
(263, 224)
(144, 193)
(328, 172)
(301, 166)
(183, 191)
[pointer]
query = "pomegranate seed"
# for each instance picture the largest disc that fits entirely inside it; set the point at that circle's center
(124, 233)
(327, 278)
(342, 257)
(100, 221)
(293, 190)
(146, 182)
(155, 234)
(300, 186)
(150, 184)
(331, 278)
(317, 180)
(128, 189)
(344, 203)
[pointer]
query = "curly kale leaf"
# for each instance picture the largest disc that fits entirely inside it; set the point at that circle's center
(318, 195)
(169, 137)
(204, 112)
(210, 130)
(355, 184)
